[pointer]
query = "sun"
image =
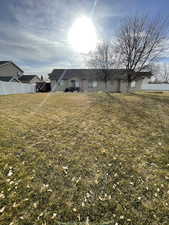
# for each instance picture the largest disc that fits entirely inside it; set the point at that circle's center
(82, 35)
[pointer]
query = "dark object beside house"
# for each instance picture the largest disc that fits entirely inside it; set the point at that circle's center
(43, 87)
(72, 89)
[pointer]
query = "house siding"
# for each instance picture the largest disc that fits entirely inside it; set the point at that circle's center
(111, 86)
(123, 86)
(9, 70)
(140, 84)
(117, 81)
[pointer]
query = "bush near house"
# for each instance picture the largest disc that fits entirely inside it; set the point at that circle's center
(84, 159)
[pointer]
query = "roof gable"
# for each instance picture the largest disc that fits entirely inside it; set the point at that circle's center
(2, 63)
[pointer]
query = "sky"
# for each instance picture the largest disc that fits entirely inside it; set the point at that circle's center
(34, 33)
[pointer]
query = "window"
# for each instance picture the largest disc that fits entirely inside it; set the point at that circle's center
(73, 83)
(92, 84)
(61, 83)
(133, 84)
(77, 83)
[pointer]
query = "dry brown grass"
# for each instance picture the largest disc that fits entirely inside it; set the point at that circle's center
(68, 157)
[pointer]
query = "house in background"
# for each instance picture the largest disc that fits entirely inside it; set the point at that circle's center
(10, 70)
(155, 86)
(8, 79)
(10, 82)
(29, 79)
(91, 80)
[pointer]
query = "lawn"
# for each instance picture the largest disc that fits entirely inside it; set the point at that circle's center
(84, 159)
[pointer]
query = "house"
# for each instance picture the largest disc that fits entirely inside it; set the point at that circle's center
(92, 80)
(10, 82)
(29, 79)
(155, 86)
(8, 79)
(10, 70)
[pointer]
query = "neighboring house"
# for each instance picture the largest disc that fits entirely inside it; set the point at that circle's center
(29, 79)
(9, 79)
(10, 69)
(91, 80)
(154, 86)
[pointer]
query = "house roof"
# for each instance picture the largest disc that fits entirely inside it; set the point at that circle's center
(86, 74)
(3, 62)
(7, 79)
(27, 78)
(8, 62)
(141, 75)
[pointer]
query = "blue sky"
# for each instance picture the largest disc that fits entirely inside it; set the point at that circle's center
(33, 33)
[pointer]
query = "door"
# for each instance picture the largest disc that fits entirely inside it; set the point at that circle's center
(73, 83)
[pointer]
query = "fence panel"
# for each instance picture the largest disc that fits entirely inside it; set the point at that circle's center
(7, 88)
(156, 87)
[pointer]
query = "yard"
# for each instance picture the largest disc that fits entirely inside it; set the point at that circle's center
(84, 159)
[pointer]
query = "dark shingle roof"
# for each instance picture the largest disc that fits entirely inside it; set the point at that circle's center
(86, 74)
(139, 75)
(4, 62)
(5, 78)
(90, 74)
(27, 78)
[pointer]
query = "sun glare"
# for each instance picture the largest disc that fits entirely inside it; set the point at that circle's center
(82, 35)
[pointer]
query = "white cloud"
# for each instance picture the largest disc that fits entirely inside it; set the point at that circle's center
(37, 37)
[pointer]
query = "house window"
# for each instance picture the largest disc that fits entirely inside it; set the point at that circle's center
(93, 84)
(133, 84)
(77, 83)
(61, 83)
(73, 83)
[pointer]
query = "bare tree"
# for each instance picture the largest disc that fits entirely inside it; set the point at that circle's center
(140, 41)
(103, 59)
(155, 70)
(161, 72)
(164, 73)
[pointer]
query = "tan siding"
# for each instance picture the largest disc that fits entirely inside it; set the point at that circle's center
(9, 70)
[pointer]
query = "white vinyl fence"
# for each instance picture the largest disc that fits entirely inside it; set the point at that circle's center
(7, 88)
(155, 87)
